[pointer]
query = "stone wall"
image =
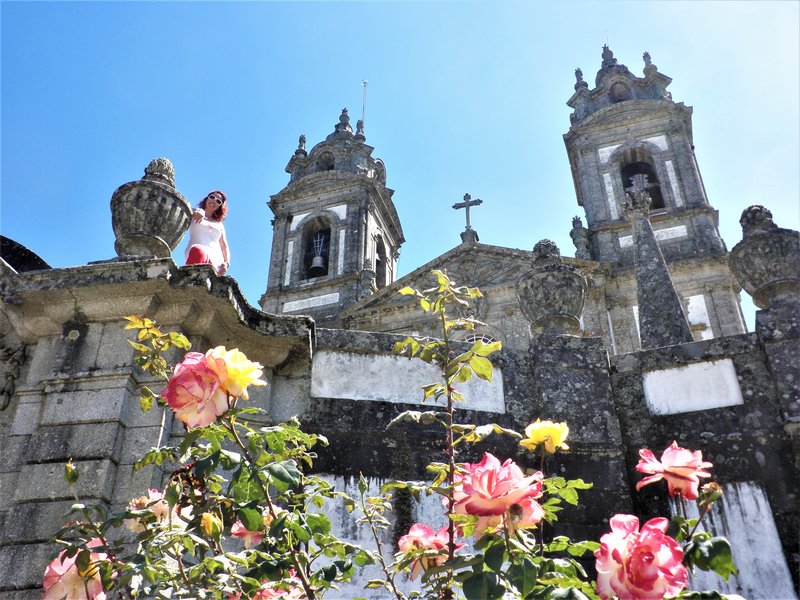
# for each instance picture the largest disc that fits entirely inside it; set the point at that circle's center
(76, 398)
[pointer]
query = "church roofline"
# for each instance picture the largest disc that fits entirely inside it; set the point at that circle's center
(438, 262)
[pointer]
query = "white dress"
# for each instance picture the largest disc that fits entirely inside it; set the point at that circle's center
(207, 234)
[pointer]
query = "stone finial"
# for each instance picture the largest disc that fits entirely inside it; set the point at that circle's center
(579, 82)
(755, 220)
(551, 295)
(301, 146)
(649, 67)
(149, 216)
(608, 57)
(360, 130)
(767, 261)
(638, 198)
(161, 170)
(546, 250)
(580, 237)
(344, 123)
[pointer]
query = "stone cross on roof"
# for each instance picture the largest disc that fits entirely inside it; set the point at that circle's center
(468, 201)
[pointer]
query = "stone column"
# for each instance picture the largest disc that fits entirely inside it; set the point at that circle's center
(662, 321)
(569, 381)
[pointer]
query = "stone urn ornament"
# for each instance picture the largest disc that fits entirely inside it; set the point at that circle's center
(552, 294)
(150, 216)
(767, 260)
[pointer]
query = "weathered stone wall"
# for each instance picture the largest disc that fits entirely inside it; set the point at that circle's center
(76, 398)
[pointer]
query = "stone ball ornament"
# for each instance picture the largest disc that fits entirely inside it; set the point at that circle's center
(766, 262)
(149, 216)
(552, 294)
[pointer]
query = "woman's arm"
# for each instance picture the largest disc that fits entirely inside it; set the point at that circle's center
(226, 257)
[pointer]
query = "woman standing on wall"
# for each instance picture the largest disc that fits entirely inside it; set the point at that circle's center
(207, 242)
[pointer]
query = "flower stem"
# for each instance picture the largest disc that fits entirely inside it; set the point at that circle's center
(229, 424)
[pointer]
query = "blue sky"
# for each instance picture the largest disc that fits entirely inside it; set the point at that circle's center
(462, 97)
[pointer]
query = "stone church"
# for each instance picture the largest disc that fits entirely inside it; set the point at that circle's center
(637, 341)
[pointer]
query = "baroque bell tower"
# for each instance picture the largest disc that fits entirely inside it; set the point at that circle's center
(336, 233)
(628, 126)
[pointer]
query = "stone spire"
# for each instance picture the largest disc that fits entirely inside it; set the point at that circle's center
(662, 321)
(301, 146)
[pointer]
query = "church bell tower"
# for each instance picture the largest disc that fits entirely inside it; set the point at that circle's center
(624, 127)
(336, 233)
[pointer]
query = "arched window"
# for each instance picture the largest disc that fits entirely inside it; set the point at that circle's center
(638, 161)
(316, 248)
(380, 263)
(325, 162)
(619, 92)
(474, 337)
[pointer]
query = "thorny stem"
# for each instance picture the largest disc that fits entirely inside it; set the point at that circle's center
(706, 509)
(301, 573)
(447, 593)
(541, 523)
(389, 575)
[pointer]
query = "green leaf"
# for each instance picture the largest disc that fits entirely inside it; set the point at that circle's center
(569, 593)
(523, 575)
(483, 586)
(408, 291)
(482, 349)
(285, 471)
(251, 518)
(715, 555)
(482, 367)
(494, 556)
(146, 399)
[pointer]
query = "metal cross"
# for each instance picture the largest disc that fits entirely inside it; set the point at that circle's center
(468, 201)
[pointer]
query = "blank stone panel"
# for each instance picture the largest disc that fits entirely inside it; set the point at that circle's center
(696, 386)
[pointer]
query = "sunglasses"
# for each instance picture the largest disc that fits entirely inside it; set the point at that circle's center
(219, 201)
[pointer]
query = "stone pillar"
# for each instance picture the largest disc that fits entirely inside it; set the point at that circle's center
(552, 294)
(149, 215)
(662, 321)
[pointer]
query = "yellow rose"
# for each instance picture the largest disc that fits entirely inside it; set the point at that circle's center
(211, 524)
(234, 370)
(552, 435)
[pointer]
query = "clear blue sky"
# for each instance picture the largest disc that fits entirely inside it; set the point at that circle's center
(462, 97)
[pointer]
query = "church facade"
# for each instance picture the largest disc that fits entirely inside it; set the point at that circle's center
(636, 341)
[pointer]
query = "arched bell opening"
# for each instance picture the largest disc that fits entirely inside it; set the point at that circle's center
(316, 244)
(638, 161)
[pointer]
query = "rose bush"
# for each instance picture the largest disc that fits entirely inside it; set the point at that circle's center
(230, 478)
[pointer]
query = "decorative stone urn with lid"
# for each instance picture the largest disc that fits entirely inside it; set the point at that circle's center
(767, 260)
(552, 294)
(150, 216)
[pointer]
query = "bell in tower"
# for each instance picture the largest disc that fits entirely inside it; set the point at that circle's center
(629, 127)
(333, 221)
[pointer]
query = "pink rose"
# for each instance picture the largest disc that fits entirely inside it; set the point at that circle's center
(194, 392)
(422, 537)
(63, 580)
(290, 588)
(499, 494)
(639, 565)
(250, 538)
(680, 467)
(155, 503)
